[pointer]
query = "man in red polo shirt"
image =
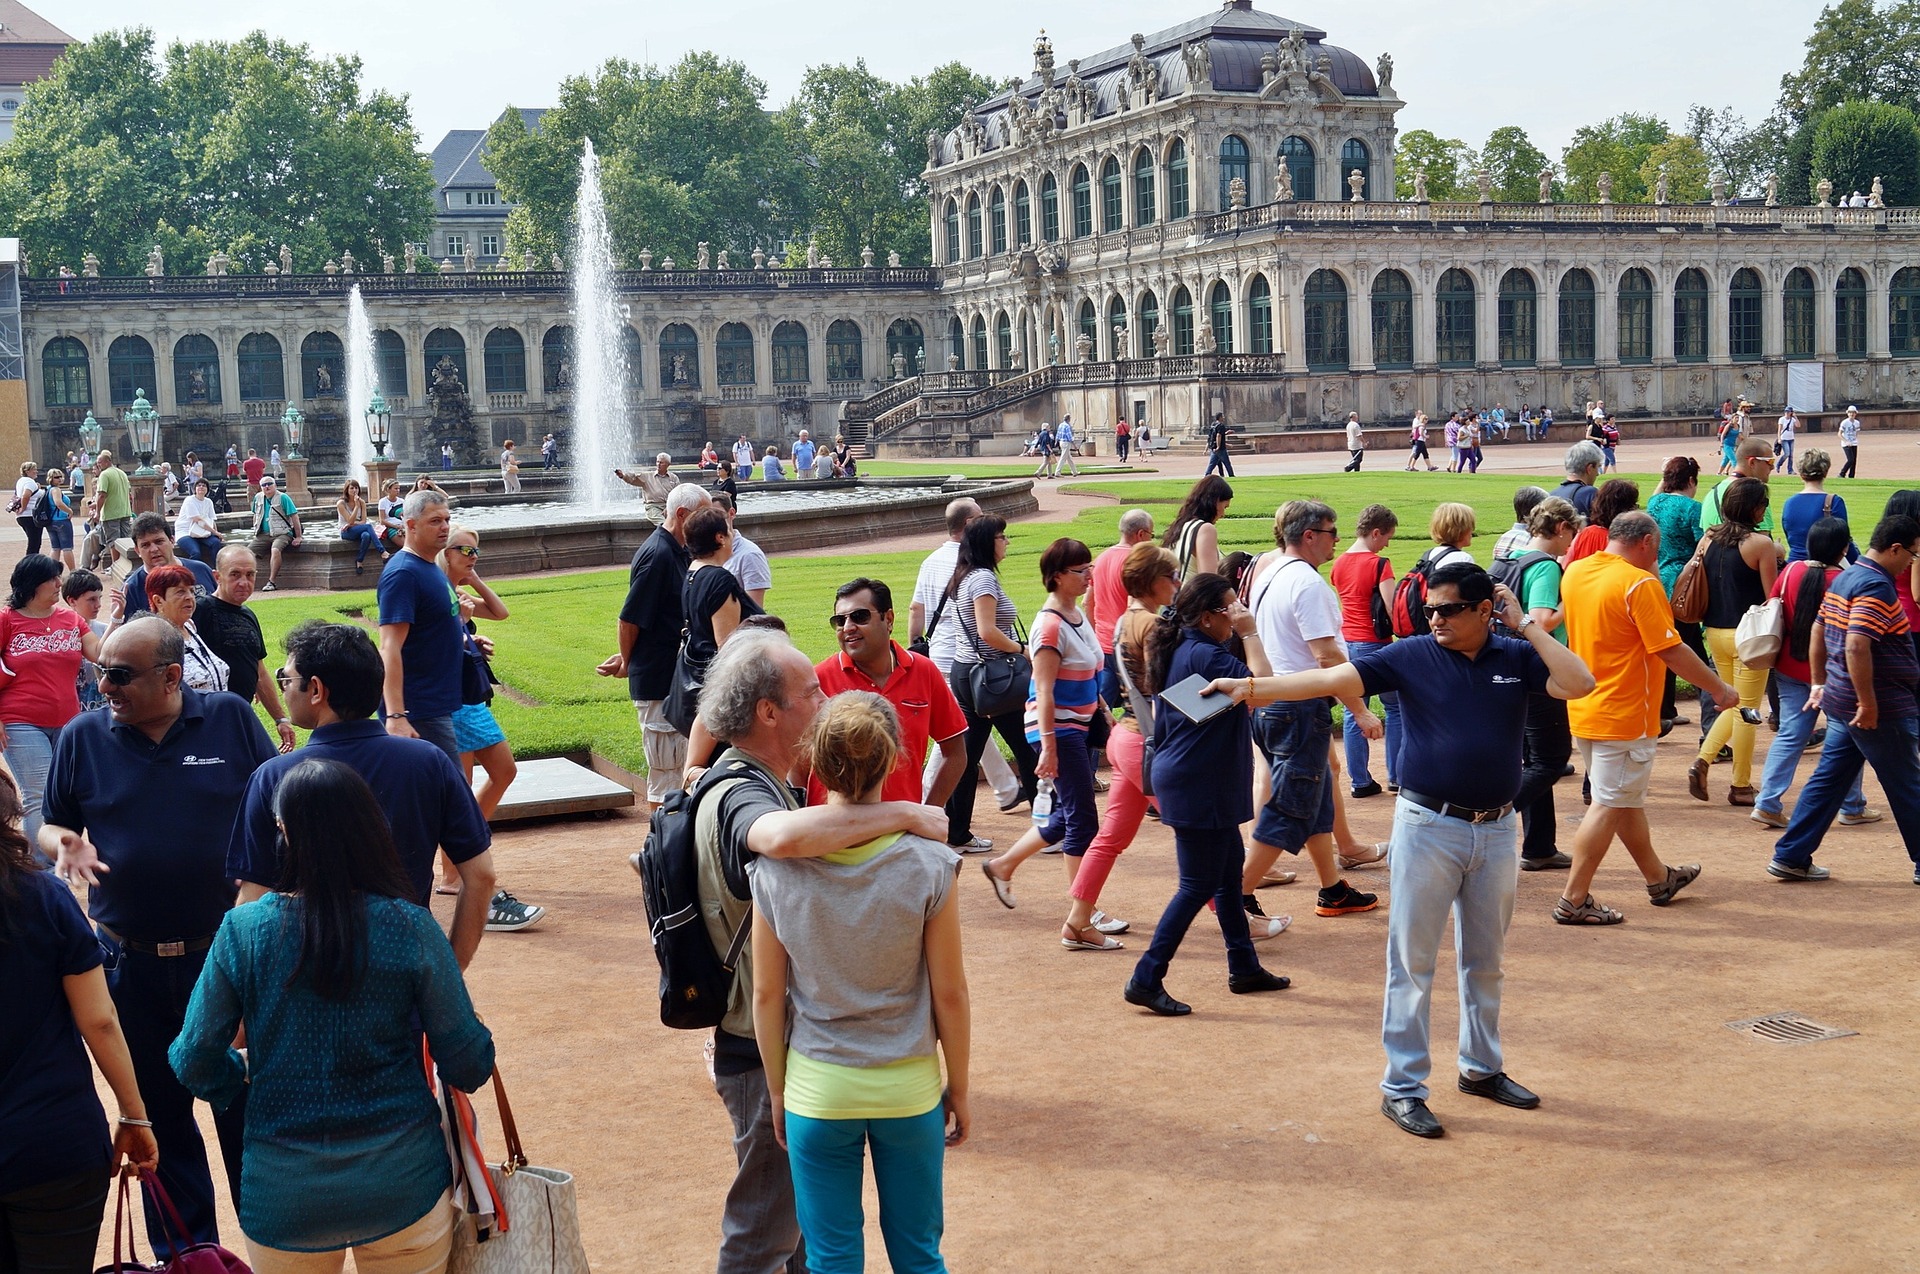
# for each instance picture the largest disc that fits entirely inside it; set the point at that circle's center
(870, 659)
(1106, 600)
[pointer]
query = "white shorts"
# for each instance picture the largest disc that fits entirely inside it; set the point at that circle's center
(1618, 771)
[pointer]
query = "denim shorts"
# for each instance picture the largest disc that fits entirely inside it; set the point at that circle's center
(1295, 738)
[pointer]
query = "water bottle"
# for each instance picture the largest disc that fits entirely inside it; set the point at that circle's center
(1043, 803)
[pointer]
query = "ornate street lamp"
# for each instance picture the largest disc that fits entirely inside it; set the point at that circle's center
(90, 434)
(379, 424)
(296, 426)
(144, 423)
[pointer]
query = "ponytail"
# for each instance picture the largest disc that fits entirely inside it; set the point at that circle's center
(1199, 595)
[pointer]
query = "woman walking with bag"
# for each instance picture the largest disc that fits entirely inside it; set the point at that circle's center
(335, 977)
(858, 977)
(1194, 536)
(1740, 564)
(988, 627)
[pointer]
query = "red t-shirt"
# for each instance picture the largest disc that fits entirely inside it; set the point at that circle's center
(1786, 586)
(1589, 541)
(43, 656)
(928, 712)
(1109, 593)
(1356, 577)
(254, 467)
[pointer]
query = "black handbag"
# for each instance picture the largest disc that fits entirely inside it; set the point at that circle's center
(682, 704)
(476, 675)
(922, 645)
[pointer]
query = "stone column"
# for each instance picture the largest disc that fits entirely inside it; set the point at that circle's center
(1295, 306)
(1773, 317)
(1718, 345)
(379, 472)
(1662, 319)
(161, 393)
(1879, 323)
(1826, 337)
(226, 343)
(296, 487)
(1360, 331)
(1486, 321)
(1546, 352)
(1606, 321)
(1425, 346)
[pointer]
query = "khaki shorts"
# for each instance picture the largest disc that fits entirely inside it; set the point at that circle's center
(1618, 770)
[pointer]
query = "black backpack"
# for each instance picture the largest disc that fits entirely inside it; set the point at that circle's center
(695, 980)
(1511, 571)
(40, 507)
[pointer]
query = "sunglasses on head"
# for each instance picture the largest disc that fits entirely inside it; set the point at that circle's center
(122, 674)
(1446, 610)
(859, 617)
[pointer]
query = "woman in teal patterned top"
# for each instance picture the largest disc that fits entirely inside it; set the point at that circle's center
(1677, 511)
(334, 978)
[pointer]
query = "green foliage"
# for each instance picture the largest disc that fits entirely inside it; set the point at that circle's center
(1514, 163)
(235, 147)
(1686, 165)
(1859, 51)
(1857, 141)
(1738, 151)
(1619, 146)
(1448, 161)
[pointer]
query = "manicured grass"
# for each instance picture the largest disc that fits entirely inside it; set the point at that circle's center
(969, 468)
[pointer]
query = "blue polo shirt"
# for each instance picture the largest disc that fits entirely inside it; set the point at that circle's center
(428, 803)
(1461, 719)
(203, 586)
(159, 813)
(415, 591)
(1202, 773)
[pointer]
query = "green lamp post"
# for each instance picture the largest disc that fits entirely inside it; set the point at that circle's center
(296, 426)
(379, 424)
(143, 422)
(90, 435)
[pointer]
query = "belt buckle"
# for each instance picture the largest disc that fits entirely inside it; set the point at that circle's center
(1486, 816)
(170, 948)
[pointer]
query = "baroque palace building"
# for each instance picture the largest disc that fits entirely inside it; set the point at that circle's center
(1202, 219)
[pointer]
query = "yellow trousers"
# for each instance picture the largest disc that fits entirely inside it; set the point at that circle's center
(1751, 685)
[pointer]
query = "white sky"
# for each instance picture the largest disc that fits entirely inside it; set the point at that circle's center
(1464, 68)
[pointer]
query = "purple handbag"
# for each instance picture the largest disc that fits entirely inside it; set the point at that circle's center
(182, 1257)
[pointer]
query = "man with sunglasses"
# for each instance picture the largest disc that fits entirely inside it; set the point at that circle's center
(131, 796)
(870, 659)
(1753, 458)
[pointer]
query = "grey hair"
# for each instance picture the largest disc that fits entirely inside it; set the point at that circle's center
(960, 512)
(1135, 522)
(418, 502)
(663, 456)
(740, 676)
(1582, 456)
(687, 497)
(1303, 516)
(1633, 527)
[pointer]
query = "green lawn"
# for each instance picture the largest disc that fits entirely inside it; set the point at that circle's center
(562, 625)
(1015, 468)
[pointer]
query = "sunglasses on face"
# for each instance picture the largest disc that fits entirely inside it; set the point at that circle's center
(468, 551)
(859, 617)
(284, 678)
(122, 674)
(1445, 610)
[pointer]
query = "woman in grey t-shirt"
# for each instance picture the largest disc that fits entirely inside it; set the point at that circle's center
(857, 977)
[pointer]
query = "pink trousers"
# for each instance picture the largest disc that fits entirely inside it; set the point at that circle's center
(1126, 806)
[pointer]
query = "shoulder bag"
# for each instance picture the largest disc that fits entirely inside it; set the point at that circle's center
(534, 1227)
(1140, 708)
(922, 645)
(1690, 588)
(998, 684)
(682, 704)
(183, 1255)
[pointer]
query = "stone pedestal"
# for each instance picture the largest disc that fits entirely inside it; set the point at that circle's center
(296, 480)
(379, 472)
(145, 494)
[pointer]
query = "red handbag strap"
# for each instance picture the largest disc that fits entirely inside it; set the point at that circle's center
(172, 1225)
(120, 1225)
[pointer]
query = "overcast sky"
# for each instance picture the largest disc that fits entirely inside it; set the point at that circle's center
(1464, 69)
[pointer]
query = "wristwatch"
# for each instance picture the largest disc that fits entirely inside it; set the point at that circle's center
(1526, 622)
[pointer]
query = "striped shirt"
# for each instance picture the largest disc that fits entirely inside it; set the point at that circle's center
(1862, 600)
(1076, 688)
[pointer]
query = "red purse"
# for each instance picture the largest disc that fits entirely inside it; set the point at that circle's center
(182, 1257)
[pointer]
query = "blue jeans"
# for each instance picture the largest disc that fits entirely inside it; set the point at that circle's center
(199, 548)
(1443, 864)
(1783, 757)
(1211, 860)
(1357, 750)
(364, 533)
(29, 752)
(1076, 810)
(1295, 737)
(1889, 749)
(828, 1158)
(759, 1233)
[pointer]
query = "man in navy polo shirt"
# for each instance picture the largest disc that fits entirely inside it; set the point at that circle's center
(153, 543)
(1463, 702)
(422, 639)
(332, 682)
(130, 797)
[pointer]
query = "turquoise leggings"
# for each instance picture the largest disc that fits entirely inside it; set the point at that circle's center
(828, 1159)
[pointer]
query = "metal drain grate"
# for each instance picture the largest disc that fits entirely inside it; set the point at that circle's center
(1788, 1028)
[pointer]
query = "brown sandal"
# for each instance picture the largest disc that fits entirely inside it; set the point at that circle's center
(1588, 912)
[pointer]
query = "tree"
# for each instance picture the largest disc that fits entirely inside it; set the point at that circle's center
(1858, 52)
(1686, 165)
(1618, 146)
(1857, 141)
(1448, 161)
(1515, 164)
(1731, 147)
(236, 147)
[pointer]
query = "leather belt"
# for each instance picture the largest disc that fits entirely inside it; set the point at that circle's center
(1464, 812)
(190, 946)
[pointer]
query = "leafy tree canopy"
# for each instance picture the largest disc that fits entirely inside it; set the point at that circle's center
(1514, 164)
(1686, 165)
(1619, 146)
(1857, 141)
(1448, 161)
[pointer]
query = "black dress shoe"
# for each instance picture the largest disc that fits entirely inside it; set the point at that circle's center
(1366, 790)
(1156, 1000)
(1502, 1090)
(1412, 1115)
(1257, 981)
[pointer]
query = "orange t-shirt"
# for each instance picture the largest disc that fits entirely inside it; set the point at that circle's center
(1618, 621)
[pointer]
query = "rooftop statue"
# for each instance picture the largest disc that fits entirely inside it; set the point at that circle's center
(1383, 73)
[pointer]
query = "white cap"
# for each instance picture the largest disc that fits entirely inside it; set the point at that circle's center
(1852, 410)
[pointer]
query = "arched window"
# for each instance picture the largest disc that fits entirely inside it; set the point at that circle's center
(790, 354)
(1112, 205)
(679, 356)
(556, 353)
(1903, 313)
(504, 359)
(1117, 342)
(1003, 340)
(129, 369)
(976, 243)
(1179, 201)
(1260, 316)
(1143, 187)
(1690, 309)
(733, 354)
(1297, 154)
(1744, 317)
(1355, 155)
(1090, 328)
(1392, 320)
(390, 363)
(1326, 321)
(844, 360)
(263, 375)
(318, 350)
(1797, 311)
(1148, 324)
(1519, 319)
(1850, 315)
(997, 221)
(953, 231)
(1453, 333)
(1022, 215)
(1082, 190)
(906, 340)
(957, 341)
(1576, 317)
(192, 354)
(1182, 322)
(1220, 312)
(1233, 163)
(64, 373)
(1049, 209)
(444, 342)
(1635, 313)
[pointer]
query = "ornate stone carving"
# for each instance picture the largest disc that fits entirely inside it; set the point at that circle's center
(386, 261)
(1203, 342)
(1825, 190)
(721, 262)
(1121, 95)
(471, 258)
(156, 264)
(90, 266)
(1292, 54)
(1357, 183)
(1485, 181)
(1333, 402)
(1162, 340)
(1383, 75)
(1269, 69)
(899, 365)
(1237, 193)
(286, 259)
(1282, 183)
(1083, 348)
(1773, 190)
(1660, 187)
(217, 264)
(1462, 388)
(893, 259)
(1398, 388)
(1718, 187)
(933, 148)
(813, 253)
(1582, 393)
(1699, 389)
(866, 258)
(1877, 196)
(1605, 186)
(1419, 185)
(1198, 58)
(1641, 380)
(1546, 185)
(1043, 59)
(759, 258)
(702, 259)
(558, 264)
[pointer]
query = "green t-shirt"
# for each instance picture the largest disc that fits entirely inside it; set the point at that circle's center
(116, 496)
(1540, 590)
(1710, 511)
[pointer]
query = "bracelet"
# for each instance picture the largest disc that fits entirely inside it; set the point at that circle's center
(283, 720)
(136, 1123)
(1249, 685)
(401, 715)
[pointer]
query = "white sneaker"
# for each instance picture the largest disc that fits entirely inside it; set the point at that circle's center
(1867, 815)
(978, 845)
